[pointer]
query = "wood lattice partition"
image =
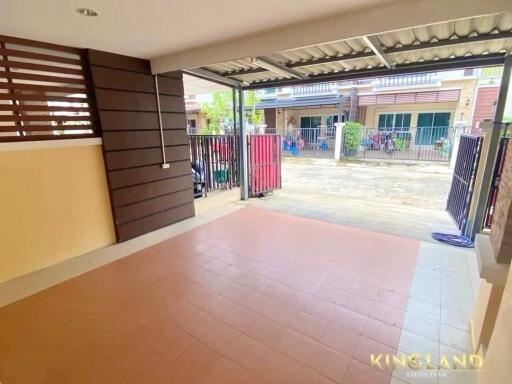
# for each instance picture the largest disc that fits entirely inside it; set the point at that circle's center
(44, 91)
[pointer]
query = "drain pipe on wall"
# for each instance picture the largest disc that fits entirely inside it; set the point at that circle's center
(165, 164)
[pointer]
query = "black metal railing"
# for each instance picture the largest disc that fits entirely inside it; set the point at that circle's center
(406, 80)
(414, 143)
(495, 185)
(461, 191)
(214, 162)
(313, 89)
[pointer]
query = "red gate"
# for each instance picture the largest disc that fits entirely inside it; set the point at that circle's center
(264, 163)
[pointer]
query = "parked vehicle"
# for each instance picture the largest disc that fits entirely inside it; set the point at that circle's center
(198, 179)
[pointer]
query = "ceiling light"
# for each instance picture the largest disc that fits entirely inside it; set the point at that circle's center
(86, 12)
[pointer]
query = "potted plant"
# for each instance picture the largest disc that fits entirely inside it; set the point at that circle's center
(352, 138)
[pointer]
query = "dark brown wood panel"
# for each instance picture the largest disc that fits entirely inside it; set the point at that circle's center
(120, 62)
(174, 121)
(38, 56)
(39, 44)
(43, 88)
(134, 101)
(44, 78)
(19, 97)
(44, 118)
(147, 191)
(45, 128)
(147, 156)
(128, 121)
(42, 108)
(151, 206)
(142, 139)
(172, 75)
(40, 67)
(140, 121)
(159, 220)
(170, 86)
(142, 175)
(125, 80)
(9, 139)
(144, 196)
(172, 104)
(125, 101)
(28, 102)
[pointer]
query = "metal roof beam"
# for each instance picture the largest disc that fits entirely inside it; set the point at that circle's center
(405, 48)
(214, 77)
(277, 68)
(375, 45)
(417, 67)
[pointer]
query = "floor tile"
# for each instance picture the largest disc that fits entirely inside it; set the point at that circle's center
(359, 373)
(252, 297)
(321, 359)
(456, 338)
(341, 339)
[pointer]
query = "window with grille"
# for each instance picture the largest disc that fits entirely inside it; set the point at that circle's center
(44, 92)
(394, 121)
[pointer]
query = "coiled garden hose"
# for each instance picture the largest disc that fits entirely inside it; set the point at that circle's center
(456, 240)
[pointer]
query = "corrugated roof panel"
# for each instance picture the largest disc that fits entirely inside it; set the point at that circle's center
(285, 57)
(478, 48)
(329, 49)
(344, 48)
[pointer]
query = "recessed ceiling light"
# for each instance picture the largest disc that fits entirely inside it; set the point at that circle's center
(86, 12)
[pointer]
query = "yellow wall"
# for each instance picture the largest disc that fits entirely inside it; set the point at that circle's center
(497, 367)
(54, 205)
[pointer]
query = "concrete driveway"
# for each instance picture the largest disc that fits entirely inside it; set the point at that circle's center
(406, 199)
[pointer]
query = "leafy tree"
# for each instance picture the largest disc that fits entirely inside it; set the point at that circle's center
(252, 115)
(219, 112)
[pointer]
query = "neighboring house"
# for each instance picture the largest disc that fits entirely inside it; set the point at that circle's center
(402, 102)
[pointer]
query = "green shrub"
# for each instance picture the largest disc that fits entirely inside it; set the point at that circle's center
(400, 144)
(352, 133)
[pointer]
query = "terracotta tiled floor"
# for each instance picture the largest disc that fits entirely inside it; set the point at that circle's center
(254, 297)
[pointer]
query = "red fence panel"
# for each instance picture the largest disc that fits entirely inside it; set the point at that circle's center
(264, 163)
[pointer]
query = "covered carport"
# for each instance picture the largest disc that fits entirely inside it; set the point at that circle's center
(456, 44)
(242, 294)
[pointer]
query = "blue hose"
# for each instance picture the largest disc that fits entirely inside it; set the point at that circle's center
(458, 241)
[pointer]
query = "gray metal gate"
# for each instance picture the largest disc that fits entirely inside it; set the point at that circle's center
(461, 192)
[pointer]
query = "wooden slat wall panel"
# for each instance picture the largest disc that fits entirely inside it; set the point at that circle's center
(138, 121)
(33, 77)
(152, 206)
(136, 193)
(156, 221)
(136, 101)
(144, 196)
(142, 175)
(147, 156)
(142, 139)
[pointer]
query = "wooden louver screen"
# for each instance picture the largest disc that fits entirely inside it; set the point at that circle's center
(43, 91)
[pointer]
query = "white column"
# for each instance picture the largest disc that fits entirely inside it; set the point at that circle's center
(456, 142)
(339, 140)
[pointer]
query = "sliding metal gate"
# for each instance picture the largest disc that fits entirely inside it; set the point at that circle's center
(264, 163)
(495, 186)
(461, 192)
(214, 162)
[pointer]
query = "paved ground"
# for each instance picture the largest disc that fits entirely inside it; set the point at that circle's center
(406, 199)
